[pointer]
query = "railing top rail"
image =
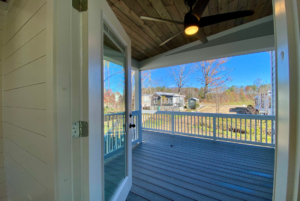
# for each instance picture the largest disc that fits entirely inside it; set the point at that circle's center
(117, 113)
(136, 112)
(243, 116)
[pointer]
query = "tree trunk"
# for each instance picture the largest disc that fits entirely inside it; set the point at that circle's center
(205, 91)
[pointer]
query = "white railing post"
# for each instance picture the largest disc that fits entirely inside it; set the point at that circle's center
(214, 129)
(173, 124)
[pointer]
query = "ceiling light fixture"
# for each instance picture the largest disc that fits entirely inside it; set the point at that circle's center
(191, 26)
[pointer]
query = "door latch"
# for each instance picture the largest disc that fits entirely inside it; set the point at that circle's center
(80, 129)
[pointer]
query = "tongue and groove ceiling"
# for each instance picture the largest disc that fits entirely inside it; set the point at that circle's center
(147, 35)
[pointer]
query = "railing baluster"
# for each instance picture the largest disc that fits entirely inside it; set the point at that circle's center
(218, 126)
(255, 130)
(173, 124)
(231, 128)
(241, 128)
(266, 131)
(184, 128)
(209, 126)
(198, 125)
(260, 131)
(194, 126)
(206, 126)
(214, 129)
(202, 125)
(273, 132)
(245, 129)
(250, 130)
(235, 119)
(227, 130)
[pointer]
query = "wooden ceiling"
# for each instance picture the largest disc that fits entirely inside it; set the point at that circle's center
(147, 35)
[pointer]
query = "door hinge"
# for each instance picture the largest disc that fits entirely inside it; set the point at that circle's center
(80, 5)
(80, 129)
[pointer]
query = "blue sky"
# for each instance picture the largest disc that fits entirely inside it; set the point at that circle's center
(247, 68)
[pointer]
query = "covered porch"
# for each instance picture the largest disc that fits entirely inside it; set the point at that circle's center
(168, 167)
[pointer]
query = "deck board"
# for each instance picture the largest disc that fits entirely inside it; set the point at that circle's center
(197, 169)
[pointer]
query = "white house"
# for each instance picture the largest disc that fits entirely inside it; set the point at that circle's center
(263, 103)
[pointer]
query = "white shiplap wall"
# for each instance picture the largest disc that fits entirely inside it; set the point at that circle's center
(24, 91)
(2, 171)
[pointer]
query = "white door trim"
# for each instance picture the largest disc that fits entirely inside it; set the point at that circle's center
(286, 177)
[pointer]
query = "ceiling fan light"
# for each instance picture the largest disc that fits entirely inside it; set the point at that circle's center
(191, 30)
(190, 24)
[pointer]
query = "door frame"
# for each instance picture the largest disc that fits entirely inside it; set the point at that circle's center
(61, 53)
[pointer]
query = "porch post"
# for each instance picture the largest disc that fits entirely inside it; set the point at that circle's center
(138, 101)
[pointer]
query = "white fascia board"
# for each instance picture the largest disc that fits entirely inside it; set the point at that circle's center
(154, 62)
(260, 44)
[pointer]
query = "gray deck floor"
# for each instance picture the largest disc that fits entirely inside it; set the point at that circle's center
(196, 169)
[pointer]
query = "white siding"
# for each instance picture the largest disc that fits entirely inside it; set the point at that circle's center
(24, 106)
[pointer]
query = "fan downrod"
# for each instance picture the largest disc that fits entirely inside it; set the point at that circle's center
(190, 3)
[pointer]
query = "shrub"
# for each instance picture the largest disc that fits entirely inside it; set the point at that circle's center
(197, 105)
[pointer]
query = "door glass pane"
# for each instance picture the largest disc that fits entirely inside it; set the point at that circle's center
(114, 113)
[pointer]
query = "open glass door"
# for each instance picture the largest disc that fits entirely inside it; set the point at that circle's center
(114, 112)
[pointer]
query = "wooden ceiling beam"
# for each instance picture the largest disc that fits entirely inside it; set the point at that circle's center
(223, 8)
(142, 49)
(268, 9)
(242, 5)
(163, 13)
(150, 10)
(213, 9)
(136, 55)
(140, 39)
(207, 29)
(232, 6)
(122, 7)
(251, 6)
(135, 28)
(134, 5)
(259, 9)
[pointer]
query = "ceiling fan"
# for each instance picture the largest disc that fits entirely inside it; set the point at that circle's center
(193, 22)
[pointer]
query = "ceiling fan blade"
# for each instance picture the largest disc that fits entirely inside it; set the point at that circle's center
(201, 36)
(214, 19)
(171, 38)
(199, 8)
(160, 20)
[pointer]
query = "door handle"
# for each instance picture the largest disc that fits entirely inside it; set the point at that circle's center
(131, 125)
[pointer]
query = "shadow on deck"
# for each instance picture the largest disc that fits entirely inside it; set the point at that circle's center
(196, 169)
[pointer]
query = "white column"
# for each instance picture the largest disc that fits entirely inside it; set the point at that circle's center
(138, 101)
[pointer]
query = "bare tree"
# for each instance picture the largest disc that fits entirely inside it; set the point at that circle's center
(213, 74)
(258, 82)
(218, 96)
(181, 75)
(148, 83)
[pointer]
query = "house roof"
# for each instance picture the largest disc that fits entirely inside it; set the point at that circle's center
(168, 94)
(194, 98)
(147, 35)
